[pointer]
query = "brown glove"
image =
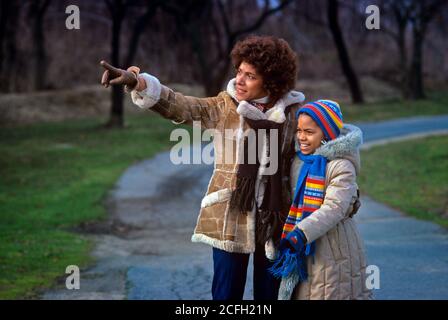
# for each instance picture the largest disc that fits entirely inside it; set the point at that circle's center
(115, 76)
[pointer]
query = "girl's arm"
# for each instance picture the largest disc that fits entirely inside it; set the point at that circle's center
(338, 198)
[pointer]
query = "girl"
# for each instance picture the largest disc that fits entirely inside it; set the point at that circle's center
(321, 255)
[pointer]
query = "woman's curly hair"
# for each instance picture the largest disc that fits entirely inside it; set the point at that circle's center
(273, 59)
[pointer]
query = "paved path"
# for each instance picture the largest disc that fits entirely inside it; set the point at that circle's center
(144, 250)
(401, 127)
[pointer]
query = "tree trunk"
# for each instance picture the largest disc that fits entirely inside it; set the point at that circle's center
(139, 27)
(423, 16)
(215, 84)
(117, 109)
(4, 8)
(9, 12)
(416, 84)
(118, 13)
(344, 58)
(213, 72)
(40, 58)
(419, 15)
(38, 9)
(404, 69)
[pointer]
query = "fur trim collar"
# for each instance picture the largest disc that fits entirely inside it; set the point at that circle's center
(276, 113)
(347, 143)
(346, 146)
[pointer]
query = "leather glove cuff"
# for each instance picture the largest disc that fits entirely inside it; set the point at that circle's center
(135, 71)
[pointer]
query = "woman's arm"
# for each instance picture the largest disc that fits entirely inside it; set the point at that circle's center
(148, 93)
(338, 195)
(176, 106)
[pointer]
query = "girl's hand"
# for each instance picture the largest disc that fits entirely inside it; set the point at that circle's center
(117, 76)
(295, 241)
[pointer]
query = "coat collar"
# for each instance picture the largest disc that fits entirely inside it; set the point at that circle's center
(346, 146)
(276, 113)
(347, 143)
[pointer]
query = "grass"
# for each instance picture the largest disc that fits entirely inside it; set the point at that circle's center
(410, 176)
(54, 176)
(437, 103)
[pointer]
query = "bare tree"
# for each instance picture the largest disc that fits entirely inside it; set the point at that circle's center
(9, 13)
(118, 10)
(139, 28)
(325, 14)
(416, 15)
(423, 14)
(344, 58)
(36, 13)
(207, 25)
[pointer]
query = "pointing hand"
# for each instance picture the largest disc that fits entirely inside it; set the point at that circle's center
(116, 76)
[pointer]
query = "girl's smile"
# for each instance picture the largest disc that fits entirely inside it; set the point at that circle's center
(309, 134)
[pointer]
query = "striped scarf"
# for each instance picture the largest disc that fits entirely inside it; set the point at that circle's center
(308, 198)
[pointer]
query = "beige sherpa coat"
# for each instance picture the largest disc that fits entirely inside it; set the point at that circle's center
(217, 225)
(339, 268)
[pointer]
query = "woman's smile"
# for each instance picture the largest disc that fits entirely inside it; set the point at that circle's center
(240, 91)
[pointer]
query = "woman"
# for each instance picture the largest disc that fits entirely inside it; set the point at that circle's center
(245, 207)
(321, 255)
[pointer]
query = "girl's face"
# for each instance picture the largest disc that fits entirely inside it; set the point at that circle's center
(309, 134)
(249, 83)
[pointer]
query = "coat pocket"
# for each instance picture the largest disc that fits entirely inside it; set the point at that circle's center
(333, 240)
(216, 218)
(216, 197)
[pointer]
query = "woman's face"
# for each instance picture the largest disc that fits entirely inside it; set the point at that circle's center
(309, 134)
(249, 83)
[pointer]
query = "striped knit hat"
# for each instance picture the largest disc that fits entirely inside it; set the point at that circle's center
(327, 114)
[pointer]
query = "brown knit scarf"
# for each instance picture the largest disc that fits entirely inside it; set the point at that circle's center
(270, 216)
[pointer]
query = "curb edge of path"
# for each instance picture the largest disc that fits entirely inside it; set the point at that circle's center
(412, 136)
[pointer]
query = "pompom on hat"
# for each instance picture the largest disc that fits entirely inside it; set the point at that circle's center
(328, 116)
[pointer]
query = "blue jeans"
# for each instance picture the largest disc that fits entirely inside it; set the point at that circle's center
(230, 270)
